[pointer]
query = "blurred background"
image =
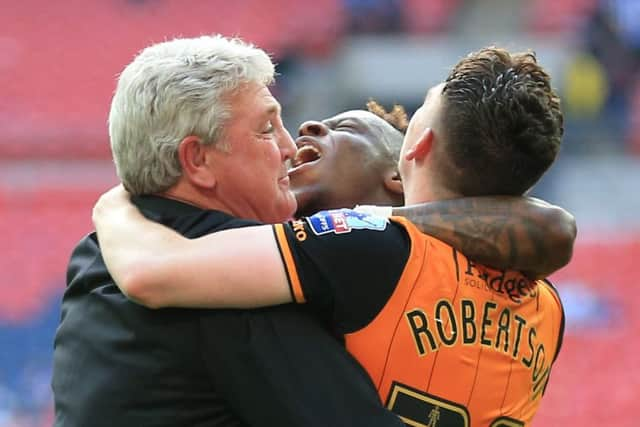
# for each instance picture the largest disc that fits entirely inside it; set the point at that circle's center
(59, 62)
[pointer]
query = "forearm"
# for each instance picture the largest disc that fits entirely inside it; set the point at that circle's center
(516, 233)
(135, 250)
(157, 267)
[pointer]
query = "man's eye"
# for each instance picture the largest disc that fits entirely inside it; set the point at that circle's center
(269, 128)
(344, 126)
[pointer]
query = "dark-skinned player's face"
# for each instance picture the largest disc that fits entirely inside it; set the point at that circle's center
(340, 163)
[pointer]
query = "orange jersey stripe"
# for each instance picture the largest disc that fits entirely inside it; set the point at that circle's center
(289, 263)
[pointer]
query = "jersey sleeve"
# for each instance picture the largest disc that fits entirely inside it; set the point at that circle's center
(345, 264)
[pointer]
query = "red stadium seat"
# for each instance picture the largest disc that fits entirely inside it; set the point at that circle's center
(553, 16)
(39, 230)
(429, 16)
(59, 64)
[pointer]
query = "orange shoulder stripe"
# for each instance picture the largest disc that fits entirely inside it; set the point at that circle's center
(289, 264)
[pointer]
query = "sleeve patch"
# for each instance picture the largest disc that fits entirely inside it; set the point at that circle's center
(340, 221)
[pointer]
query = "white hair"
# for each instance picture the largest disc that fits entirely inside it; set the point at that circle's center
(170, 91)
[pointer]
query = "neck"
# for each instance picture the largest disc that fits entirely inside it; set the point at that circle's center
(207, 199)
(426, 190)
(425, 196)
(185, 193)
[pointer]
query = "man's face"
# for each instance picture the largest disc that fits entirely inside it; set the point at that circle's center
(251, 178)
(338, 162)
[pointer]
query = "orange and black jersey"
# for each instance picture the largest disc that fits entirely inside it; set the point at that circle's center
(447, 342)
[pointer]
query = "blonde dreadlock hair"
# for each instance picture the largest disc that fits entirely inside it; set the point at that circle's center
(397, 117)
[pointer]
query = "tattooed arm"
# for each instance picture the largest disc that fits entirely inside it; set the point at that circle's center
(517, 233)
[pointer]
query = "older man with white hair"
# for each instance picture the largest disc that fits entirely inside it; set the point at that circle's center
(198, 139)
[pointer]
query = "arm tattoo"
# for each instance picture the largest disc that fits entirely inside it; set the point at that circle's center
(504, 232)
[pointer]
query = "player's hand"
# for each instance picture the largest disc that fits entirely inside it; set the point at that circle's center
(382, 211)
(116, 198)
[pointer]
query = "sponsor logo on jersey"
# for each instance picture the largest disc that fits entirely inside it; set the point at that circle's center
(341, 221)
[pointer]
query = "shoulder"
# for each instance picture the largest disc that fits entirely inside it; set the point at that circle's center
(85, 255)
(341, 221)
(207, 222)
(551, 290)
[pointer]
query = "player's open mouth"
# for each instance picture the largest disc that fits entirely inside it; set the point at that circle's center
(307, 154)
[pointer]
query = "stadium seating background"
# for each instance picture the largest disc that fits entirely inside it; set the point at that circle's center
(57, 72)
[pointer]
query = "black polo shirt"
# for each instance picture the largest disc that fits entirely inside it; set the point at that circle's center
(119, 364)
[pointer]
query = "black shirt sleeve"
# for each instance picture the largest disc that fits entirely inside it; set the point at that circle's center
(345, 264)
(279, 366)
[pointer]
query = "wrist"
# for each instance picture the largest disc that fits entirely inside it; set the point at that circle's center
(381, 211)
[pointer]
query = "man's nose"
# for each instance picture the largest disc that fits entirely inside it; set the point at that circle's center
(313, 128)
(287, 146)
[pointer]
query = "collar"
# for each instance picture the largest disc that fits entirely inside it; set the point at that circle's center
(165, 207)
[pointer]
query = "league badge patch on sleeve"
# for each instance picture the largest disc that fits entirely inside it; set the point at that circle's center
(341, 221)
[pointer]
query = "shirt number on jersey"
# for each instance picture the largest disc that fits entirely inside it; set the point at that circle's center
(419, 409)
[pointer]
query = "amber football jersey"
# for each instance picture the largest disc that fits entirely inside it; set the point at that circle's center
(447, 342)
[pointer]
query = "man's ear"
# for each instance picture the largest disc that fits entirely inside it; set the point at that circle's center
(393, 182)
(196, 161)
(422, 147)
